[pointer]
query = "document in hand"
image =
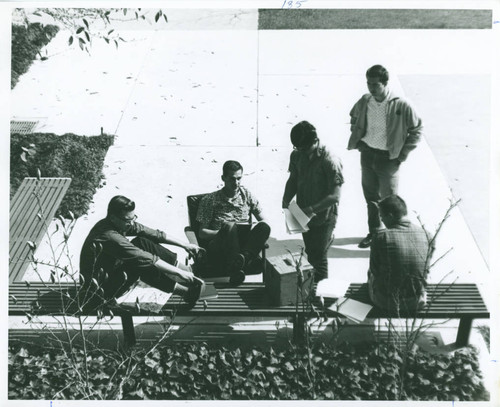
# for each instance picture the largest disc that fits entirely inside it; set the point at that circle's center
(148, 298)
(354, 310)
(296, 220)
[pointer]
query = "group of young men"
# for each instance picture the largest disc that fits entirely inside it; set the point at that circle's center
(384, 128)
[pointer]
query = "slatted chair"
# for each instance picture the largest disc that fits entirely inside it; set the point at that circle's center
(31, 210)
(191, 231)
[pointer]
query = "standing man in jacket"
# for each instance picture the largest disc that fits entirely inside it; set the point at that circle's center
(384, 128)
(316, 179)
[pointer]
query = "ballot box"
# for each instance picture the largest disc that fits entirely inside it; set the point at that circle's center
(281, 279)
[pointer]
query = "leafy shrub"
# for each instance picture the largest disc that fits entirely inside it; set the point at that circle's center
(202, 372)
(78, 157)
(27, 41)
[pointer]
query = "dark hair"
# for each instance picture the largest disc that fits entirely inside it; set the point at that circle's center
(303, 135)
(231, 166)
(120, 204)
(394, 205)
(378, 71)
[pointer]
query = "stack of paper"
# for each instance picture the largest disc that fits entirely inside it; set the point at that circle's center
(148, 298)
(354, 310)
(296, 220)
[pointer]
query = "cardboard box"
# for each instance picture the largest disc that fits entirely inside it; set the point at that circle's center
(281, 279)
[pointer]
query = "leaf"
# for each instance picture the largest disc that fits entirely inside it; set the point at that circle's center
(125, 11)
(192, 356)
(116, 44)
(38, 174)
(80, 29)
(110, 31)
(165, 17)
(31, 244)
(157, 16)
(86, 23)
(87, 36)
(23, 157)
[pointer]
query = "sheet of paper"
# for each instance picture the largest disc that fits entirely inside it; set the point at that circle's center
(149, 298)
(292, 225)
(352, 309)
(299, 215)
(332, 288)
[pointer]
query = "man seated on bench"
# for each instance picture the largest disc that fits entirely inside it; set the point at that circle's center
(399, 260)
(232, 244)
(115, 263)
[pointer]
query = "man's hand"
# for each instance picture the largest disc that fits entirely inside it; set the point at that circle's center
(184, 277)
(193, 249)
(308, 211)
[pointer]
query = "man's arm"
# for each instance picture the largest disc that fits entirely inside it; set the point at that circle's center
(204, 216)
(324, 203)
(192, 249)
(290, 190)
(415, 129)
(175, 273)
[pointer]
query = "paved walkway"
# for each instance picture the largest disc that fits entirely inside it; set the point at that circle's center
(182, 101)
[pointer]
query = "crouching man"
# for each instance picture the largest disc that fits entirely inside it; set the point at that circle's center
(399, 260)
(110, 263)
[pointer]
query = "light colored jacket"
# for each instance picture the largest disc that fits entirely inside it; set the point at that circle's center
(404, 127)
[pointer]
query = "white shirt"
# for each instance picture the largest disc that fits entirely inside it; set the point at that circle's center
(376, 128)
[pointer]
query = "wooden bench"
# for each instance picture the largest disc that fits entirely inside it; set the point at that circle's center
(30, 217)
(461, 301)
(444, 301)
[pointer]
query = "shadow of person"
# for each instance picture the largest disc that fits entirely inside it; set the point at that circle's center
(344, 241)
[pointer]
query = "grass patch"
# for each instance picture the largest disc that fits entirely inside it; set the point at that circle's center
(27, 42)
(323, 19)
(80, 158)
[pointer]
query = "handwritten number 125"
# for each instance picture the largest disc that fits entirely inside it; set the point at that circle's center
(292, 3)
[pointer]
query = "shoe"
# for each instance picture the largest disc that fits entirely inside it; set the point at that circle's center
(237, 277)
(236, 263)
(366, 242)
(193, 294)
(254, 266)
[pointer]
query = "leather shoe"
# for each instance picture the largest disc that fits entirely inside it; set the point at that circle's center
(366, 242)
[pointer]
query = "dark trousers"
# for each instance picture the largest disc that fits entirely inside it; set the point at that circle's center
(379, 178)
(229, 241)
(317, 241)
(121, 278)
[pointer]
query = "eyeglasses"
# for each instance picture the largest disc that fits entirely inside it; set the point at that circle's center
(128, 220)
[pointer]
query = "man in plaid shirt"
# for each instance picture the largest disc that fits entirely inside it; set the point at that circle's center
(399, 260)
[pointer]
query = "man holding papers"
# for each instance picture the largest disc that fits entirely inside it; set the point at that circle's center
(232, 243)
(315, 179)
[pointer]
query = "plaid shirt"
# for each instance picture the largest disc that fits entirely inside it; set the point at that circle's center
(398, 263)
(217, 207)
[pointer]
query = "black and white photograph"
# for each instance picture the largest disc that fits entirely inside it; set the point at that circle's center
(250, 200)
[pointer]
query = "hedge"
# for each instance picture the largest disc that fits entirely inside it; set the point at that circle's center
(204, 372)
(78, 157)
(27, 42)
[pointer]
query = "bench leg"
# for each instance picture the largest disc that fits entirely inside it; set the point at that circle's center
(299, 329)
(463, 333)
(128, 330)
